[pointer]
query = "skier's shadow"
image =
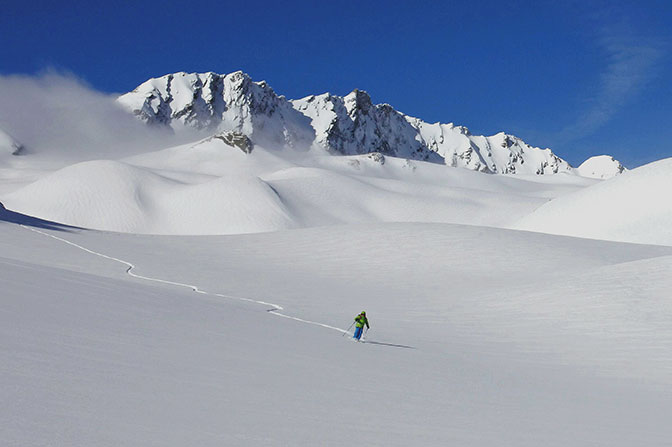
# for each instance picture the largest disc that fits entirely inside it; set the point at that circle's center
(388, 344)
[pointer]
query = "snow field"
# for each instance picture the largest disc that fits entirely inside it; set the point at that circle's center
(213, 188)
(479, 337)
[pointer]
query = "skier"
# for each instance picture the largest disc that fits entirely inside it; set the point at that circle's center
(360, 321)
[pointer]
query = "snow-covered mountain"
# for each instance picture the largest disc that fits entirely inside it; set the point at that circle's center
(346, 125)
(353, 125)
(601, 167)
(211, 101)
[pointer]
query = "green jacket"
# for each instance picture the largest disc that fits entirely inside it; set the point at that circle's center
(360, 321)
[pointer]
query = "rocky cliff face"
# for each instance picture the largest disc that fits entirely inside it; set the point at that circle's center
(354, 125)
(347, 125)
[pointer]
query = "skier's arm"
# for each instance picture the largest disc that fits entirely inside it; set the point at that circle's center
(366, 320)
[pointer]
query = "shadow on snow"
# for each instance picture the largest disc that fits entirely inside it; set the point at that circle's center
(370, 342)
(22, 219)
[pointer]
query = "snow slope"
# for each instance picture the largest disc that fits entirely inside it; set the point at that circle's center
(214, 188)
(117, 196)
(633, 207)
(478, 338)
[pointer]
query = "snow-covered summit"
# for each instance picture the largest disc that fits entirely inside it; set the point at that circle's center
(211, 101)
(9, 145)
(348, 125)
(601, 167)
(352, 125)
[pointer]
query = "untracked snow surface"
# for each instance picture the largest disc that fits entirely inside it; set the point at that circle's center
(634, 207)
(479, 337)
(213, 188)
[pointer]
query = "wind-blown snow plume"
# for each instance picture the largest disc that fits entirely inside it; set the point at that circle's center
(9, 145)
(57, 114)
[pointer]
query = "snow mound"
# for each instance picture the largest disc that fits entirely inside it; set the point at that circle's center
(115, 196)
(633, 207)
(225, 184)
(9, 145)
(601, 167)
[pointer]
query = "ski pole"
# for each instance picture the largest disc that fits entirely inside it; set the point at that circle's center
(348, 331)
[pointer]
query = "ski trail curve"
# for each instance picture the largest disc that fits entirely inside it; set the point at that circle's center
(275, 309)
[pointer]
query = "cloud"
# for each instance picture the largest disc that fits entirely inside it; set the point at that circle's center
(631, 62)
(56, 114)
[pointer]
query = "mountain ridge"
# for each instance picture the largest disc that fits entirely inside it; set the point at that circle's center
(345, 125)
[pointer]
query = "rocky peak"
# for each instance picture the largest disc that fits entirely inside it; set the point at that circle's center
(232, 139)
(358, 100)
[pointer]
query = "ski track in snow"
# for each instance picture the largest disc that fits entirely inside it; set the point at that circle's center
(275, 308)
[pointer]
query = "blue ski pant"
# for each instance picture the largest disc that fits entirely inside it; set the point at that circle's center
(358, 333)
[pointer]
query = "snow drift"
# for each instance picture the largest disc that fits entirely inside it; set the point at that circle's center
(633, 207)
(115, 196)
(214, 188)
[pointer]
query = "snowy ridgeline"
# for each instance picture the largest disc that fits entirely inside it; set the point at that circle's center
(344, 125)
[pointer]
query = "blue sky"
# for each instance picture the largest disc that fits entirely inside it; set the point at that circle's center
(583, 78)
